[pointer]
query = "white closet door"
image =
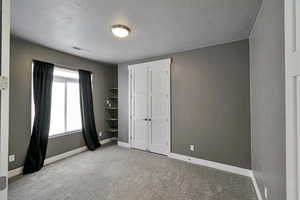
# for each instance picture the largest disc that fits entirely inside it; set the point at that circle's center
(149, 92)
(159, 106)
(140, 108)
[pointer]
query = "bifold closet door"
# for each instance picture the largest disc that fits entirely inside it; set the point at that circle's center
(140, 107)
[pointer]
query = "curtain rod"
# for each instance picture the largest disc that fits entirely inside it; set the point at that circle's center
(59, 65)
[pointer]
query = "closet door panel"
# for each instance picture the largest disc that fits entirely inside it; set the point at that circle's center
(159, 108)
(140, 110)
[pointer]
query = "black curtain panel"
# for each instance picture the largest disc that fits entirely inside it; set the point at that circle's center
(42, 91)
(87, 111)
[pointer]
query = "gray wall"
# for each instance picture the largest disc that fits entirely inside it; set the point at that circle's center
(267, 99)
(210, 103)
(22, 53)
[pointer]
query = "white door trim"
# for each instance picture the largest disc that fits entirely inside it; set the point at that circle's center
(4, 131)
(292, 97)
(130, 83)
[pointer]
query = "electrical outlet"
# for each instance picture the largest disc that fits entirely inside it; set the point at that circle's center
(266, 192)
(192, 147)
(11, 158)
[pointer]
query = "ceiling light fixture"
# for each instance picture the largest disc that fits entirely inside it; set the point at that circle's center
(120, 31)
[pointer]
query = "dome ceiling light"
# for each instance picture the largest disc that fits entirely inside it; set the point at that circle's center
(120, 31)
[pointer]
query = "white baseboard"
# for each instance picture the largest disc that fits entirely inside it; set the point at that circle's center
(58, 157)
(258, 193)
(216, 165)
(52, 159)
(15, 172)
(123, 144)
(108, 140)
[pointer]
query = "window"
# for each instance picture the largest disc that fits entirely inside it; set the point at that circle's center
(65, 107)
(65, 104)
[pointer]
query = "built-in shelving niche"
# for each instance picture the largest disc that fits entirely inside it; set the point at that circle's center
(112, 112)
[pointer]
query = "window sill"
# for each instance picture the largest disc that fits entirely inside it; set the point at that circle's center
(64, 134)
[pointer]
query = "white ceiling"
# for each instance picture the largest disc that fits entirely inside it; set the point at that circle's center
(159, 27)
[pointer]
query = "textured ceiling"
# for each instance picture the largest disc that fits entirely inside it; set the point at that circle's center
(158, 27)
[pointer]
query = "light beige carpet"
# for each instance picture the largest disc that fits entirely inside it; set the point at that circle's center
(116, 173)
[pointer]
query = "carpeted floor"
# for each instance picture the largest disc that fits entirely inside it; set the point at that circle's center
(116, 173)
